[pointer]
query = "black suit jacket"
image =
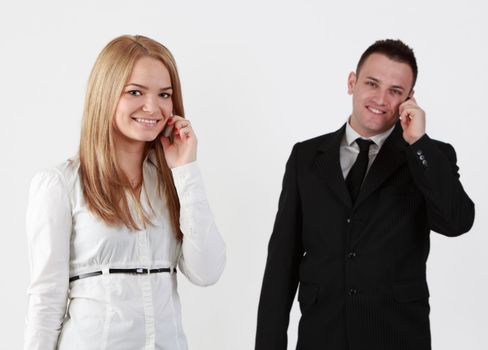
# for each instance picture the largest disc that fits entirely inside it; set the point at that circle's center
(360, 268)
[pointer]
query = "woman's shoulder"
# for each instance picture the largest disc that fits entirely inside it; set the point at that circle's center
(65, 173)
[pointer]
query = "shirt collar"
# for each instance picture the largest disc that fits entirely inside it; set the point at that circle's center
(379, 139)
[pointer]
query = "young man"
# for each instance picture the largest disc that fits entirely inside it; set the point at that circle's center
(354, 218)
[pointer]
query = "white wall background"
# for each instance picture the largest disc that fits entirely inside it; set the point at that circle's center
(257, 77)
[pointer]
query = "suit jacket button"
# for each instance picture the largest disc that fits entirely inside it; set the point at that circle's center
(419, 152)
(425, 163)
(348, 220)
(351, 255)
(352, 291)
(422, 157)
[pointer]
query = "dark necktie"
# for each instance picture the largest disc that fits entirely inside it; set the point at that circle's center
(355, 177)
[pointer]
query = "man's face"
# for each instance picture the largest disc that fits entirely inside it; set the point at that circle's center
(377, 92)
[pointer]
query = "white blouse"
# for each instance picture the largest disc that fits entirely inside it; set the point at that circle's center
(114, 311)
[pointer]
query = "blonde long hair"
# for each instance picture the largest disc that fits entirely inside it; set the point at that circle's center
(104, 184)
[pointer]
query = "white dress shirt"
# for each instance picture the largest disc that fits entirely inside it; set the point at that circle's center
(349, 149)
(114, 311)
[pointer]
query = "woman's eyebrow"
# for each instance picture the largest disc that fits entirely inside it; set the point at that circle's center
(146, 88)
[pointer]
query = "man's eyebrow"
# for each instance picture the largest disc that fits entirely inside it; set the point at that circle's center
(146, 88)
(374, 79)
(398, 87)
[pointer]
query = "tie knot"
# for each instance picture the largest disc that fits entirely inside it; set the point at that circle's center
(363, 144)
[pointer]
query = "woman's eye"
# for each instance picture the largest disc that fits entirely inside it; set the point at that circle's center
(134, 92)
(165, 95)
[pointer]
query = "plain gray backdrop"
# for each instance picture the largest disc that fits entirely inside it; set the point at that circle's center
(257, 77)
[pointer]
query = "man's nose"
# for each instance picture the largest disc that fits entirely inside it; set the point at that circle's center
(380, 97)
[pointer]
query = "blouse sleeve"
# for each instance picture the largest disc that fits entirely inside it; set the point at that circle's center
(48, 224)
(203, 249)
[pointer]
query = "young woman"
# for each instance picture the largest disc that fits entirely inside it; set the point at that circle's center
(108, 229)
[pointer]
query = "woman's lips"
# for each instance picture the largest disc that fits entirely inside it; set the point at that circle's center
(147, 122)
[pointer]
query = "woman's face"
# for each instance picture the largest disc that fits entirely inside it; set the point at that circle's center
(145, 104)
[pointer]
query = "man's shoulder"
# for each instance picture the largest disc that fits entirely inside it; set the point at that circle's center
(320, 142)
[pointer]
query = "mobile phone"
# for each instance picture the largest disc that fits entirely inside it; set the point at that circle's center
(409, 116)
(408, 98)
(168, 131)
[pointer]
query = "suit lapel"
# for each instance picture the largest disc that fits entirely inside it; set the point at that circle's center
(328, 165)
(387, 161)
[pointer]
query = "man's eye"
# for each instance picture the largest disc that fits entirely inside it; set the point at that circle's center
(371, 83)
(134, 92)
(165, 95)
(396, 92)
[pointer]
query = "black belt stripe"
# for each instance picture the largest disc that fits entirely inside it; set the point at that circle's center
(138, 271)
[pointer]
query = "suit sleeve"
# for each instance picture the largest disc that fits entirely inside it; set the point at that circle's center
(435, 172)
(281, 273)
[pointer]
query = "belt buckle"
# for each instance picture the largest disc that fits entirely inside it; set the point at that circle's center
(140, 270)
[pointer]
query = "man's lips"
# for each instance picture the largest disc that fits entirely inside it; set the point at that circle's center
(375, 110)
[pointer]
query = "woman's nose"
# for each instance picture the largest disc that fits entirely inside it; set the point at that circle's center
(150, 105)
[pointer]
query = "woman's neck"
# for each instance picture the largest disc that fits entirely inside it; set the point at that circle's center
(130, 156)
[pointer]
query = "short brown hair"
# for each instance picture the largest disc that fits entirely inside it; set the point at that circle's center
(395, 50)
